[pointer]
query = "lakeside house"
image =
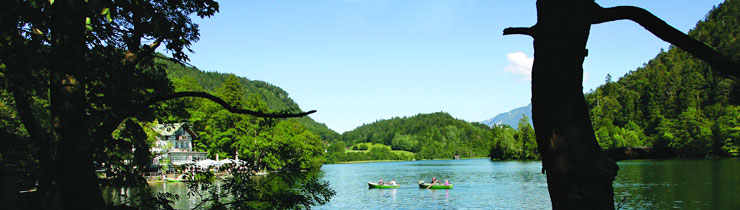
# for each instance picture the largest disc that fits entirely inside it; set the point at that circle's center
(174, 145)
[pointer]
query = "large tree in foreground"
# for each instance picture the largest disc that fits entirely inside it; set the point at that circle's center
(73, 71)
(579, 174)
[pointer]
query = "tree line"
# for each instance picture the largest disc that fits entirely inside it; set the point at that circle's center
(676, 101)
(434, 136)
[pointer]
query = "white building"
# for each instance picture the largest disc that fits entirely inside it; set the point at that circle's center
(175, 145)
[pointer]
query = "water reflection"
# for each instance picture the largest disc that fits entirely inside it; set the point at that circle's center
(179, 188)
(386, 193)
(682, 184)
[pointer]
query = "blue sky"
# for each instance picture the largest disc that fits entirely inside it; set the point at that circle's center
(358, 61)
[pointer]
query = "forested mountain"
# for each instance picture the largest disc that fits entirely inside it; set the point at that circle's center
(435, 135)
(268, 144)
(276, 99)
(510, 118)
(676, 100)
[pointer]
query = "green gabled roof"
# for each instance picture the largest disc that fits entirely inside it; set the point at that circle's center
(169, 129)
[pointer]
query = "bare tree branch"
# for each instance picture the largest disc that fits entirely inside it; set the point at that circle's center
(186, 64)
(225, 105)
(667, 33)
(519, 30)
(106, 129)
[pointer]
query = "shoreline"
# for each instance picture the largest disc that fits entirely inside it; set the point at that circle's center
(377, 161)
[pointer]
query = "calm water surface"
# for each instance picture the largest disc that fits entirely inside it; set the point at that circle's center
(679, 184)
(484, 184)
(478, 184)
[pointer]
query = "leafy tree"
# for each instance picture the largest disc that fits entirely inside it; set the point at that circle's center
(504, 145)
(403, 142)
(65, 43)
(85, 67)
(336, 147)
(526, 137)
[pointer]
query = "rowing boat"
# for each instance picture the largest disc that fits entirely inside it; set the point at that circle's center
(372, 185)
(435, 186)
(173, 180)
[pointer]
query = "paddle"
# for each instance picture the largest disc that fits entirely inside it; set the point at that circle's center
(435, 181)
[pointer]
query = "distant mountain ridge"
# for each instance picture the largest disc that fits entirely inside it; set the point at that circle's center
(511, 118)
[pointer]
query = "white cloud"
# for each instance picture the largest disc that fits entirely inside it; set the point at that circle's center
(521, 65)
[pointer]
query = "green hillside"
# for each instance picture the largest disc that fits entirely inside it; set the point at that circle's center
(365, 152)
(435, 135)
(275, 98)
(676, 100)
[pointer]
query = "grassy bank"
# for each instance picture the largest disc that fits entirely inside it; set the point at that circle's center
(369, 146)
(377, 161)
(369, 152)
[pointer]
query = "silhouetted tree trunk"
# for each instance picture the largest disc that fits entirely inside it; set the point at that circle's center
(579, 174)
(74, 171)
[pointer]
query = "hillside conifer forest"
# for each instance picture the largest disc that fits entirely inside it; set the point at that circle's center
(675, 100)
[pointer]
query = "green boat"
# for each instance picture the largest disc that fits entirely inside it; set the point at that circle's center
(435, 186)
(372, 185)
(179, 178)
(173, 180)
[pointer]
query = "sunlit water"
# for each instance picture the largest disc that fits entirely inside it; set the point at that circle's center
(478, 184)
(484, 184)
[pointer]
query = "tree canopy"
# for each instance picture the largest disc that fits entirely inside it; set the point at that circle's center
(80, 81)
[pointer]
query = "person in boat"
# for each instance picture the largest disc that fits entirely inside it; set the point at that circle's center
(380, 182)
(447, 182)
(434, 180)
(393, 181)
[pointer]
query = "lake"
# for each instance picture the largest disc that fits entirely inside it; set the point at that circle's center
(478, 183)
(485, 184)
